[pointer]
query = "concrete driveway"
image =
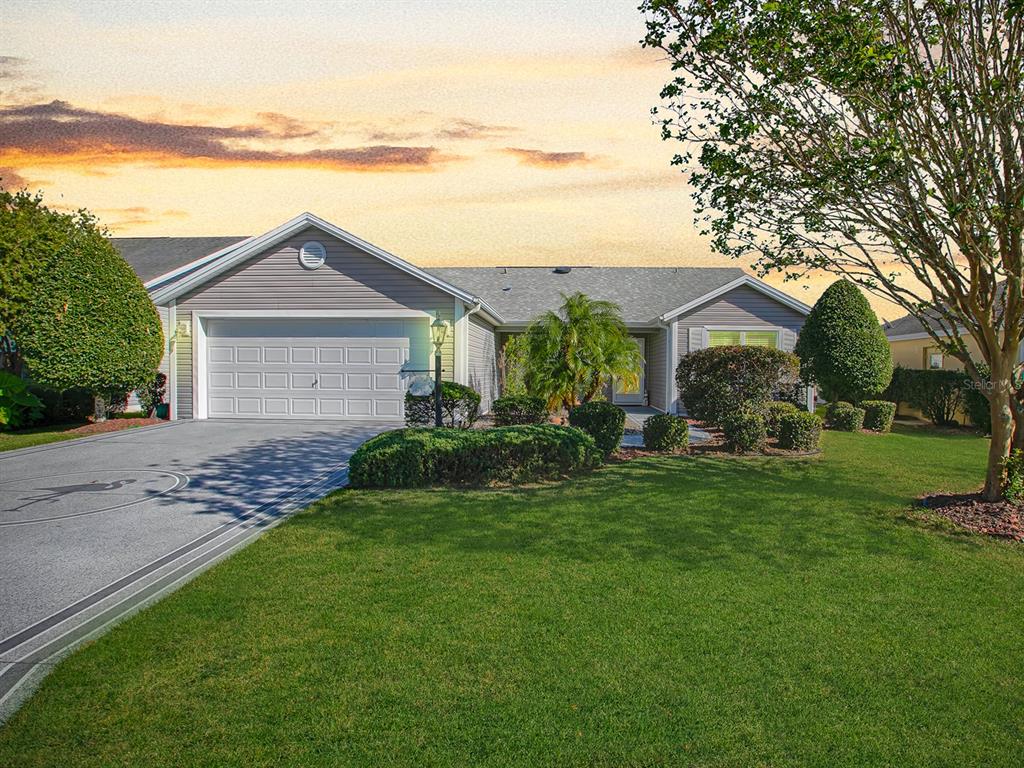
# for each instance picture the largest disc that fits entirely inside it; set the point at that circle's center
(94, 529)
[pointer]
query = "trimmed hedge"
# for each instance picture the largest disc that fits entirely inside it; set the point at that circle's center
(773, 413)
(878, 415)
(666, 432)
(519, 409)
(1013, 485)
(939, 394)
(460, 407)
(745, 431)
(716, 382)
(844, 417)
(800, 431)
(417, 457)
(603, 421)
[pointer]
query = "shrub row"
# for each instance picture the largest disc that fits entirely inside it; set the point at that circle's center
(666, 432)
(940, 395)
(878, 415)
(773, 413)
(603, 421)
(519, 409)
(745, 430)
(408, 458)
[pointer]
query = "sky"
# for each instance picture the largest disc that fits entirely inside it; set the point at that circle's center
(449, 133)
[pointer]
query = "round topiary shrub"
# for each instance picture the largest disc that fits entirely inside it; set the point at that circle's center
(844, 417)
(800, 431)
(460, 406)
(666, 432)
(773, 413)
(842, 346)
(878, 415)
(745, 431)
(519, 409)
(417, 457)
(715, 382)
(603, 421)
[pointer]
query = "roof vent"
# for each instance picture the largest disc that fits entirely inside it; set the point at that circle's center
(563, 270)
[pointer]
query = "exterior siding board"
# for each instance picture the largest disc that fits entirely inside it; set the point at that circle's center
(274, 281)
(483, 361)
(657, 359)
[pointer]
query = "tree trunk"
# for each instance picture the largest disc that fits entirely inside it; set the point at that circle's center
(1002, 437)
(99, 411)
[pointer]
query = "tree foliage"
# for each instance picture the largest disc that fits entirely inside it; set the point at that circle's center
(716, 382)
(842, 348)
(572, 353)
(877, 139)
(31, 236)
(88, 321)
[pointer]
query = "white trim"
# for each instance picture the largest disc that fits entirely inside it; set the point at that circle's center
(172, 357)
(150, 284)
(672, 339)
(743, 280)
(253, 246)
(315, 314)
(460, 341)
(200, 406)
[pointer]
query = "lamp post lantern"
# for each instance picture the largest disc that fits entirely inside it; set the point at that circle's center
(438, 330)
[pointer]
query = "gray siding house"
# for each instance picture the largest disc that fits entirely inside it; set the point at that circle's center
(309, 321)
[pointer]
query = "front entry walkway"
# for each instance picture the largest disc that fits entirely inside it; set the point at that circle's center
(636, 415)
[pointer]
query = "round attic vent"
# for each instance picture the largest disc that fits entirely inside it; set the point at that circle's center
(312, 255)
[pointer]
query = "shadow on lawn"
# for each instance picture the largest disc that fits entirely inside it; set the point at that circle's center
(783, 513)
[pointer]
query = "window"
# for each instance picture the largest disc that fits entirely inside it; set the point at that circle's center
(743, 339)
(312, 255)
(934, 360)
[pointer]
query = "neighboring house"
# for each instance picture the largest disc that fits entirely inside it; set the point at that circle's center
(308, 320)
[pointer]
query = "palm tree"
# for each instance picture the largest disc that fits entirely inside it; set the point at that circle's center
(572, 353)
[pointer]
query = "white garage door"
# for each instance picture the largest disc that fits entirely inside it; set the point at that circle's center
(301, 369)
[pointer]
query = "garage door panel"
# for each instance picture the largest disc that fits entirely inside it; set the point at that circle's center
(344, 370)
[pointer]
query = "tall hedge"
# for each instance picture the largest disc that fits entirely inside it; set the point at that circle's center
(90, 322)
(715, 382)
(842, 347)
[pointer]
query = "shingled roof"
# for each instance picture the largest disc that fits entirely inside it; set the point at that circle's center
(643, 293)
(154, 256)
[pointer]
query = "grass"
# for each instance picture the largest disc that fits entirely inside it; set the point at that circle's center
(667, 611)
(27, 438)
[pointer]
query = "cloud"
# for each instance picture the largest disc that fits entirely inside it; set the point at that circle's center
(457, 129)
(541, 159)
(58, 133)
(10, 179)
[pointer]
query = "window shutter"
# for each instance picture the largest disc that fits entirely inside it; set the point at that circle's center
(788, 339)
(696, 339)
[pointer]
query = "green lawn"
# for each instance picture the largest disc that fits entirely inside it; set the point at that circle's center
(672, 611)
(9, 441)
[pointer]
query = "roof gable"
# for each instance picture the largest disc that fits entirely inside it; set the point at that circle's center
(234, 256)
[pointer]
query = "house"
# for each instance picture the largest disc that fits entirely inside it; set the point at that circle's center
(309, 321)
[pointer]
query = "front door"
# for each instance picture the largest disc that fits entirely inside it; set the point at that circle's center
(632, 395)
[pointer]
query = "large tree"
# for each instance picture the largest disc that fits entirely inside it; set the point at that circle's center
(572, 353)
(74, 314)
(876, 139)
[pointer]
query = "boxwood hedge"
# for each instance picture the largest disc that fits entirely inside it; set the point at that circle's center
(415, 457)
(878, 414)
(773, 413)
(666, 432)
(844, 417)
(800, 431)
(519, 409)
(603, 421)
(745, 430)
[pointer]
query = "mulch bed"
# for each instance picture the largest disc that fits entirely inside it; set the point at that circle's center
(1002, 519)
(112, 425)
